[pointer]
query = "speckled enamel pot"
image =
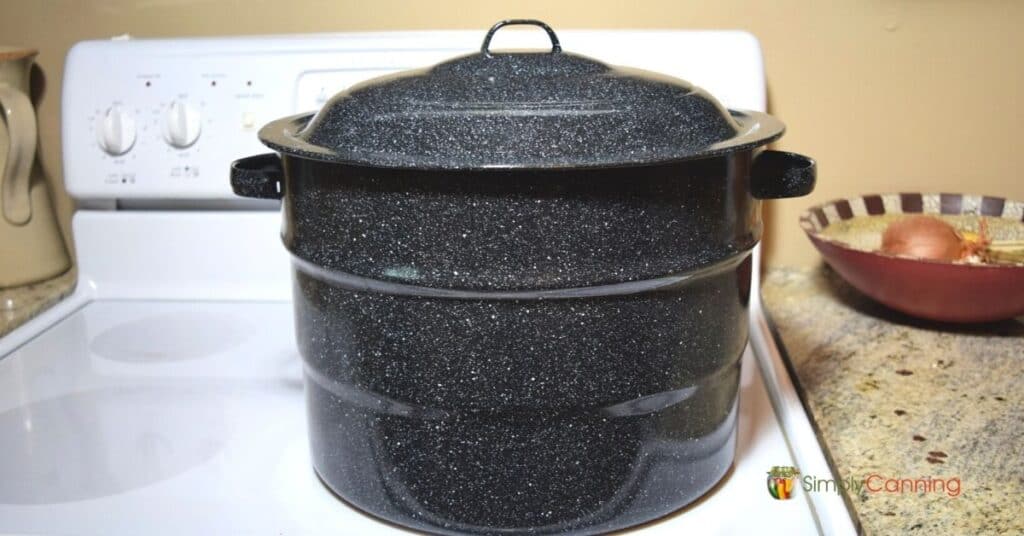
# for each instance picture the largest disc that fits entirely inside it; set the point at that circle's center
(521, 284)
(935, 290)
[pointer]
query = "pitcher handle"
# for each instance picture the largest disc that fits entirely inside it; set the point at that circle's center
(20, 118)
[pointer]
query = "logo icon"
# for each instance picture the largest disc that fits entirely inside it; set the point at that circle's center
(781, 480)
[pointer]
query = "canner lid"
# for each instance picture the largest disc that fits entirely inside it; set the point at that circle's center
(515, 110)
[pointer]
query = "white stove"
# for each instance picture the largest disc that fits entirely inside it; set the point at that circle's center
(164, 396)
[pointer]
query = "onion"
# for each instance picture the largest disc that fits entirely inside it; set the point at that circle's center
(923, 237)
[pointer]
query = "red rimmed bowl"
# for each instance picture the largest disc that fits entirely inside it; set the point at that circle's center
(848, 233)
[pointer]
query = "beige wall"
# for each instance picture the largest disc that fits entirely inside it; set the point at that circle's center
(886, 94)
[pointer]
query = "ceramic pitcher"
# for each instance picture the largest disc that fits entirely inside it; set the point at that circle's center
(31, 246)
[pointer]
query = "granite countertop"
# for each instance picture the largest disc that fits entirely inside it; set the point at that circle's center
(20, 304)
(902, 398)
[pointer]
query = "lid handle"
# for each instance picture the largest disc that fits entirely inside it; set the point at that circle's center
(486, 47)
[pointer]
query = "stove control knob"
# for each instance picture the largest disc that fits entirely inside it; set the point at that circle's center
(181, 125)
(116, 132)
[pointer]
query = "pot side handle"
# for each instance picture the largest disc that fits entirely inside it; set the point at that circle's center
(260, 176)
(778, 174)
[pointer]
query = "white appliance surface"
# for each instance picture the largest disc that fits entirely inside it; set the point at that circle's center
(164, 396)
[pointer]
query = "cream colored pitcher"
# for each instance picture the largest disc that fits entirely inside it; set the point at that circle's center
(31, 247)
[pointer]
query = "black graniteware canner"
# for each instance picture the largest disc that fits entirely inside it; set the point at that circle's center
(521, 287)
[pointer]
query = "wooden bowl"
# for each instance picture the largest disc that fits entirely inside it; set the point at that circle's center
(848, 233)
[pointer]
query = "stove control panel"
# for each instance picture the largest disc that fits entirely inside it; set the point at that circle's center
(163, 119)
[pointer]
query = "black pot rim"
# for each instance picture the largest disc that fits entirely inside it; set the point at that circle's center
(282, 135)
